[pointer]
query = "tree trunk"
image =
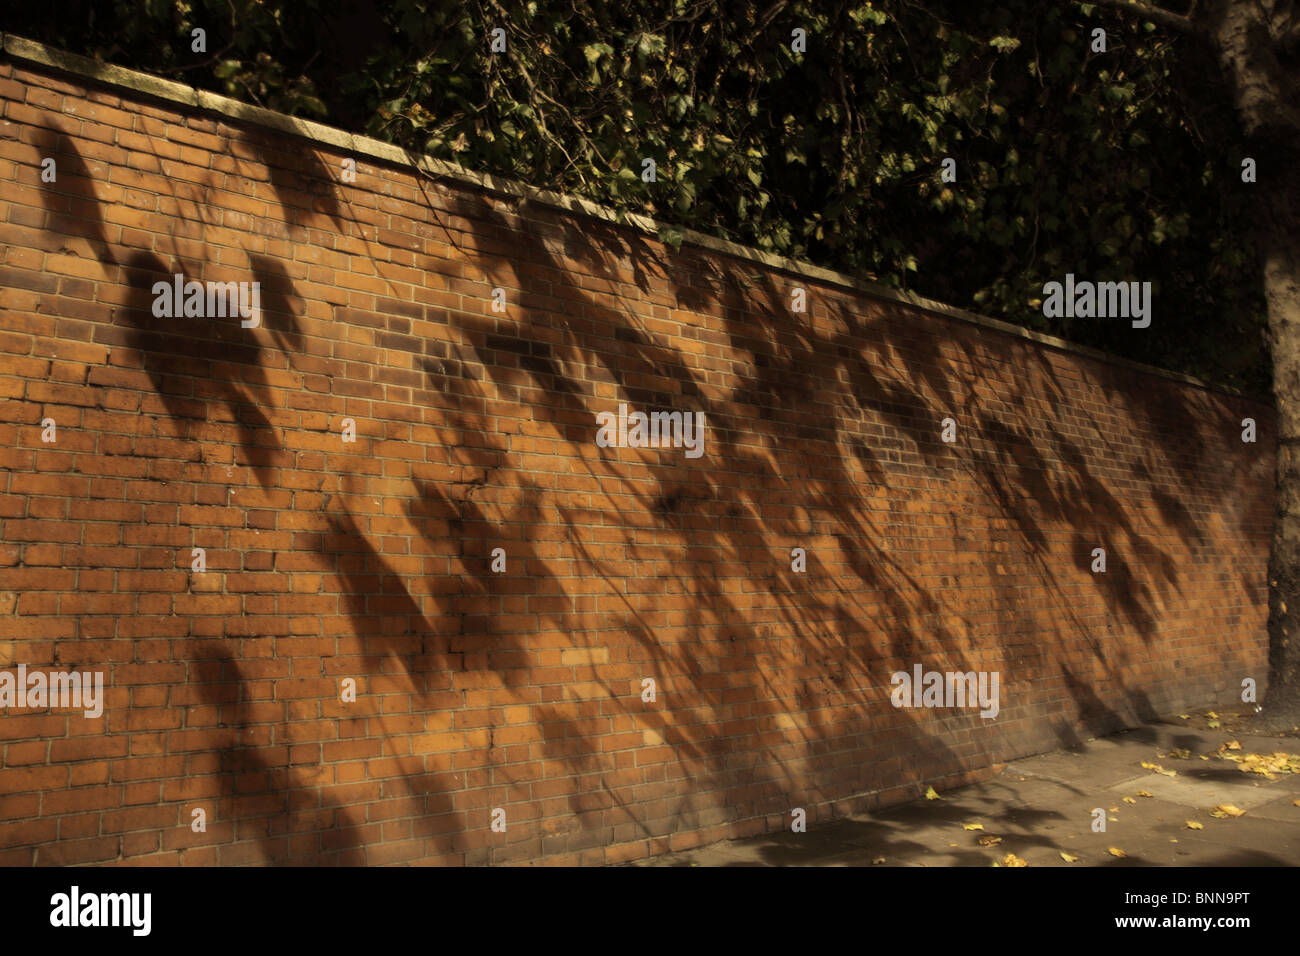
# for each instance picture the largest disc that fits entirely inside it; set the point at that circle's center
(1282, 287)
(1257, 42)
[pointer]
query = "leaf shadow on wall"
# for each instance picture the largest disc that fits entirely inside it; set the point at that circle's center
(211, 376)
(691, 509)
(1038, 479)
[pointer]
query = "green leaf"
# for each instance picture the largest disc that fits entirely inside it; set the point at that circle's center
(650, 44)
(672, 236)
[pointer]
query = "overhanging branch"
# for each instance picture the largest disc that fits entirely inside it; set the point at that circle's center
(1165, 18)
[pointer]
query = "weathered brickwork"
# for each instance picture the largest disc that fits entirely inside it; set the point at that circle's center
(475, 430)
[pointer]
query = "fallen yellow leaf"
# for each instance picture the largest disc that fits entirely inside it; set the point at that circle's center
(972, 826)
(1267, 766)
(1193, 825)
(1129, 800)
(1233, 745)
(932, 794)
(1184, 716)
(878, 860)
(1295, 803)
(1116, 851)
(1068, 857)
(1225, 810)
(1114, 809)
(990, 840)
(1145, 793)
(1148, 765)
(1212, 715)
(1012, 860)
(1172, 840)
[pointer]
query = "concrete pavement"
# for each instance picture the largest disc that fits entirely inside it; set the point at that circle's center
(1043, 806)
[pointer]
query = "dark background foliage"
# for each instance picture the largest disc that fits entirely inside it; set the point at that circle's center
(1112, 165)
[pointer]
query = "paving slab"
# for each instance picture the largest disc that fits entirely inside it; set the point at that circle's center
(1042, 809)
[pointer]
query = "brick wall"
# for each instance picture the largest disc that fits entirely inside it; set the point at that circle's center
(475, 430)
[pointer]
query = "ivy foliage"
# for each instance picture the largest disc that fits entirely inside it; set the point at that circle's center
(1115, 165)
